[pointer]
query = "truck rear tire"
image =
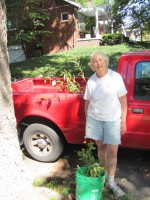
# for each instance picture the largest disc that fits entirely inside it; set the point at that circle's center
(42, 142)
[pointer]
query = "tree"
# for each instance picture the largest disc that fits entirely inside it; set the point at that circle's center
(82, 2)
(25, 21)
(101, 2)
(14, 184)
(136, 11)
(93, 2)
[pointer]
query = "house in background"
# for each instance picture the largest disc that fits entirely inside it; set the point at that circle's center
(62, 25)
(68, 28)
(133, 34)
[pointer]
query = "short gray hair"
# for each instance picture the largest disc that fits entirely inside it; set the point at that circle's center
(93, 55)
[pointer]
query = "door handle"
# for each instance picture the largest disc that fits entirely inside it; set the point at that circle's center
(137, 110)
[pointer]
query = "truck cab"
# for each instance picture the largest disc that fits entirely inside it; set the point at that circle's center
(134, 67)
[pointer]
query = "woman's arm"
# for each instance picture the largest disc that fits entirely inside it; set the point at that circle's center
(86, 106)
(123, 101)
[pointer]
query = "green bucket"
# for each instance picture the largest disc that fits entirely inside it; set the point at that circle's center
(88, 188)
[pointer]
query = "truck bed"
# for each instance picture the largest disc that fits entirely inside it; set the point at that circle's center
(41, 85)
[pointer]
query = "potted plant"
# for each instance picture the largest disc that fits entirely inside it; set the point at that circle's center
(90, 177)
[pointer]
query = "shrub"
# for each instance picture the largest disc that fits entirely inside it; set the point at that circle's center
(112, 39)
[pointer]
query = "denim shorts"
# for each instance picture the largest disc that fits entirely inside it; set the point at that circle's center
(106, 131)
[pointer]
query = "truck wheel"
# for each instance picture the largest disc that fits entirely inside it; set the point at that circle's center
(42, 143)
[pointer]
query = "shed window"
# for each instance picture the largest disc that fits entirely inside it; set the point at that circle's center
(64, 16)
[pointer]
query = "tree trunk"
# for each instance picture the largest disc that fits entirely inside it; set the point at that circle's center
(13, 182)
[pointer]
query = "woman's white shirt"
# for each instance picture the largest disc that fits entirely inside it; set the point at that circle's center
(104, 94)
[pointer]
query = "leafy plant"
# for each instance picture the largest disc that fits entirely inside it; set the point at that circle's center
(52, 184)
(89, 22)
(115, 38)
(39, 182)
(95, 168)
(71, 82)
(63, 187)
(70, 79)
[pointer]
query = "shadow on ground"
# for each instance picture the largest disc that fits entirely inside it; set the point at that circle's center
(133, 171)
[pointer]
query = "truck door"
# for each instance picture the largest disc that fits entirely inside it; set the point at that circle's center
(138, 117)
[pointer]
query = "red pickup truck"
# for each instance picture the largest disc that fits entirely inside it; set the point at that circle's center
(48, 115)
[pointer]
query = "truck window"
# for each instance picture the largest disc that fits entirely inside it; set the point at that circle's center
(142, 81)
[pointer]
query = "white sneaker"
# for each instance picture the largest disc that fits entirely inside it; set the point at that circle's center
(115, 189)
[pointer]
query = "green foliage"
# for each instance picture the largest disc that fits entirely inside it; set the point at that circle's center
(63, 187)
(26, 20)
(82, 2)
(71, 83)
(99, 2)
(135, 10)
(94, 166)
(94, 2)
(89, 23)
(116, 38)
(52, 184)
(28, 36)
(39, 182)
(70, 80)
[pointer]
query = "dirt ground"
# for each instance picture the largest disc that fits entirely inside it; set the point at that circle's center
(133, 170)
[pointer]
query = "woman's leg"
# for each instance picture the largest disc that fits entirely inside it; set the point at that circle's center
(112, 151)
(101, 151)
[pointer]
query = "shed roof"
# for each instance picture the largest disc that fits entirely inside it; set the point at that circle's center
(90, 11)
(74, 3)
(103, 11)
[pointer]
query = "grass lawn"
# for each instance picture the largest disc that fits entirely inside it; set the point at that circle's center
(54, 64)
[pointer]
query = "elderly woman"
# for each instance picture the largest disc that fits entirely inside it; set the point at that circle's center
(105, 110)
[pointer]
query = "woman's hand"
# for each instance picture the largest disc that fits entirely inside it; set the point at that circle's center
(123, 101)
(123, 128)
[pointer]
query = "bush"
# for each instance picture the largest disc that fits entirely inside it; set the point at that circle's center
(126, 39)
(113, 39)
